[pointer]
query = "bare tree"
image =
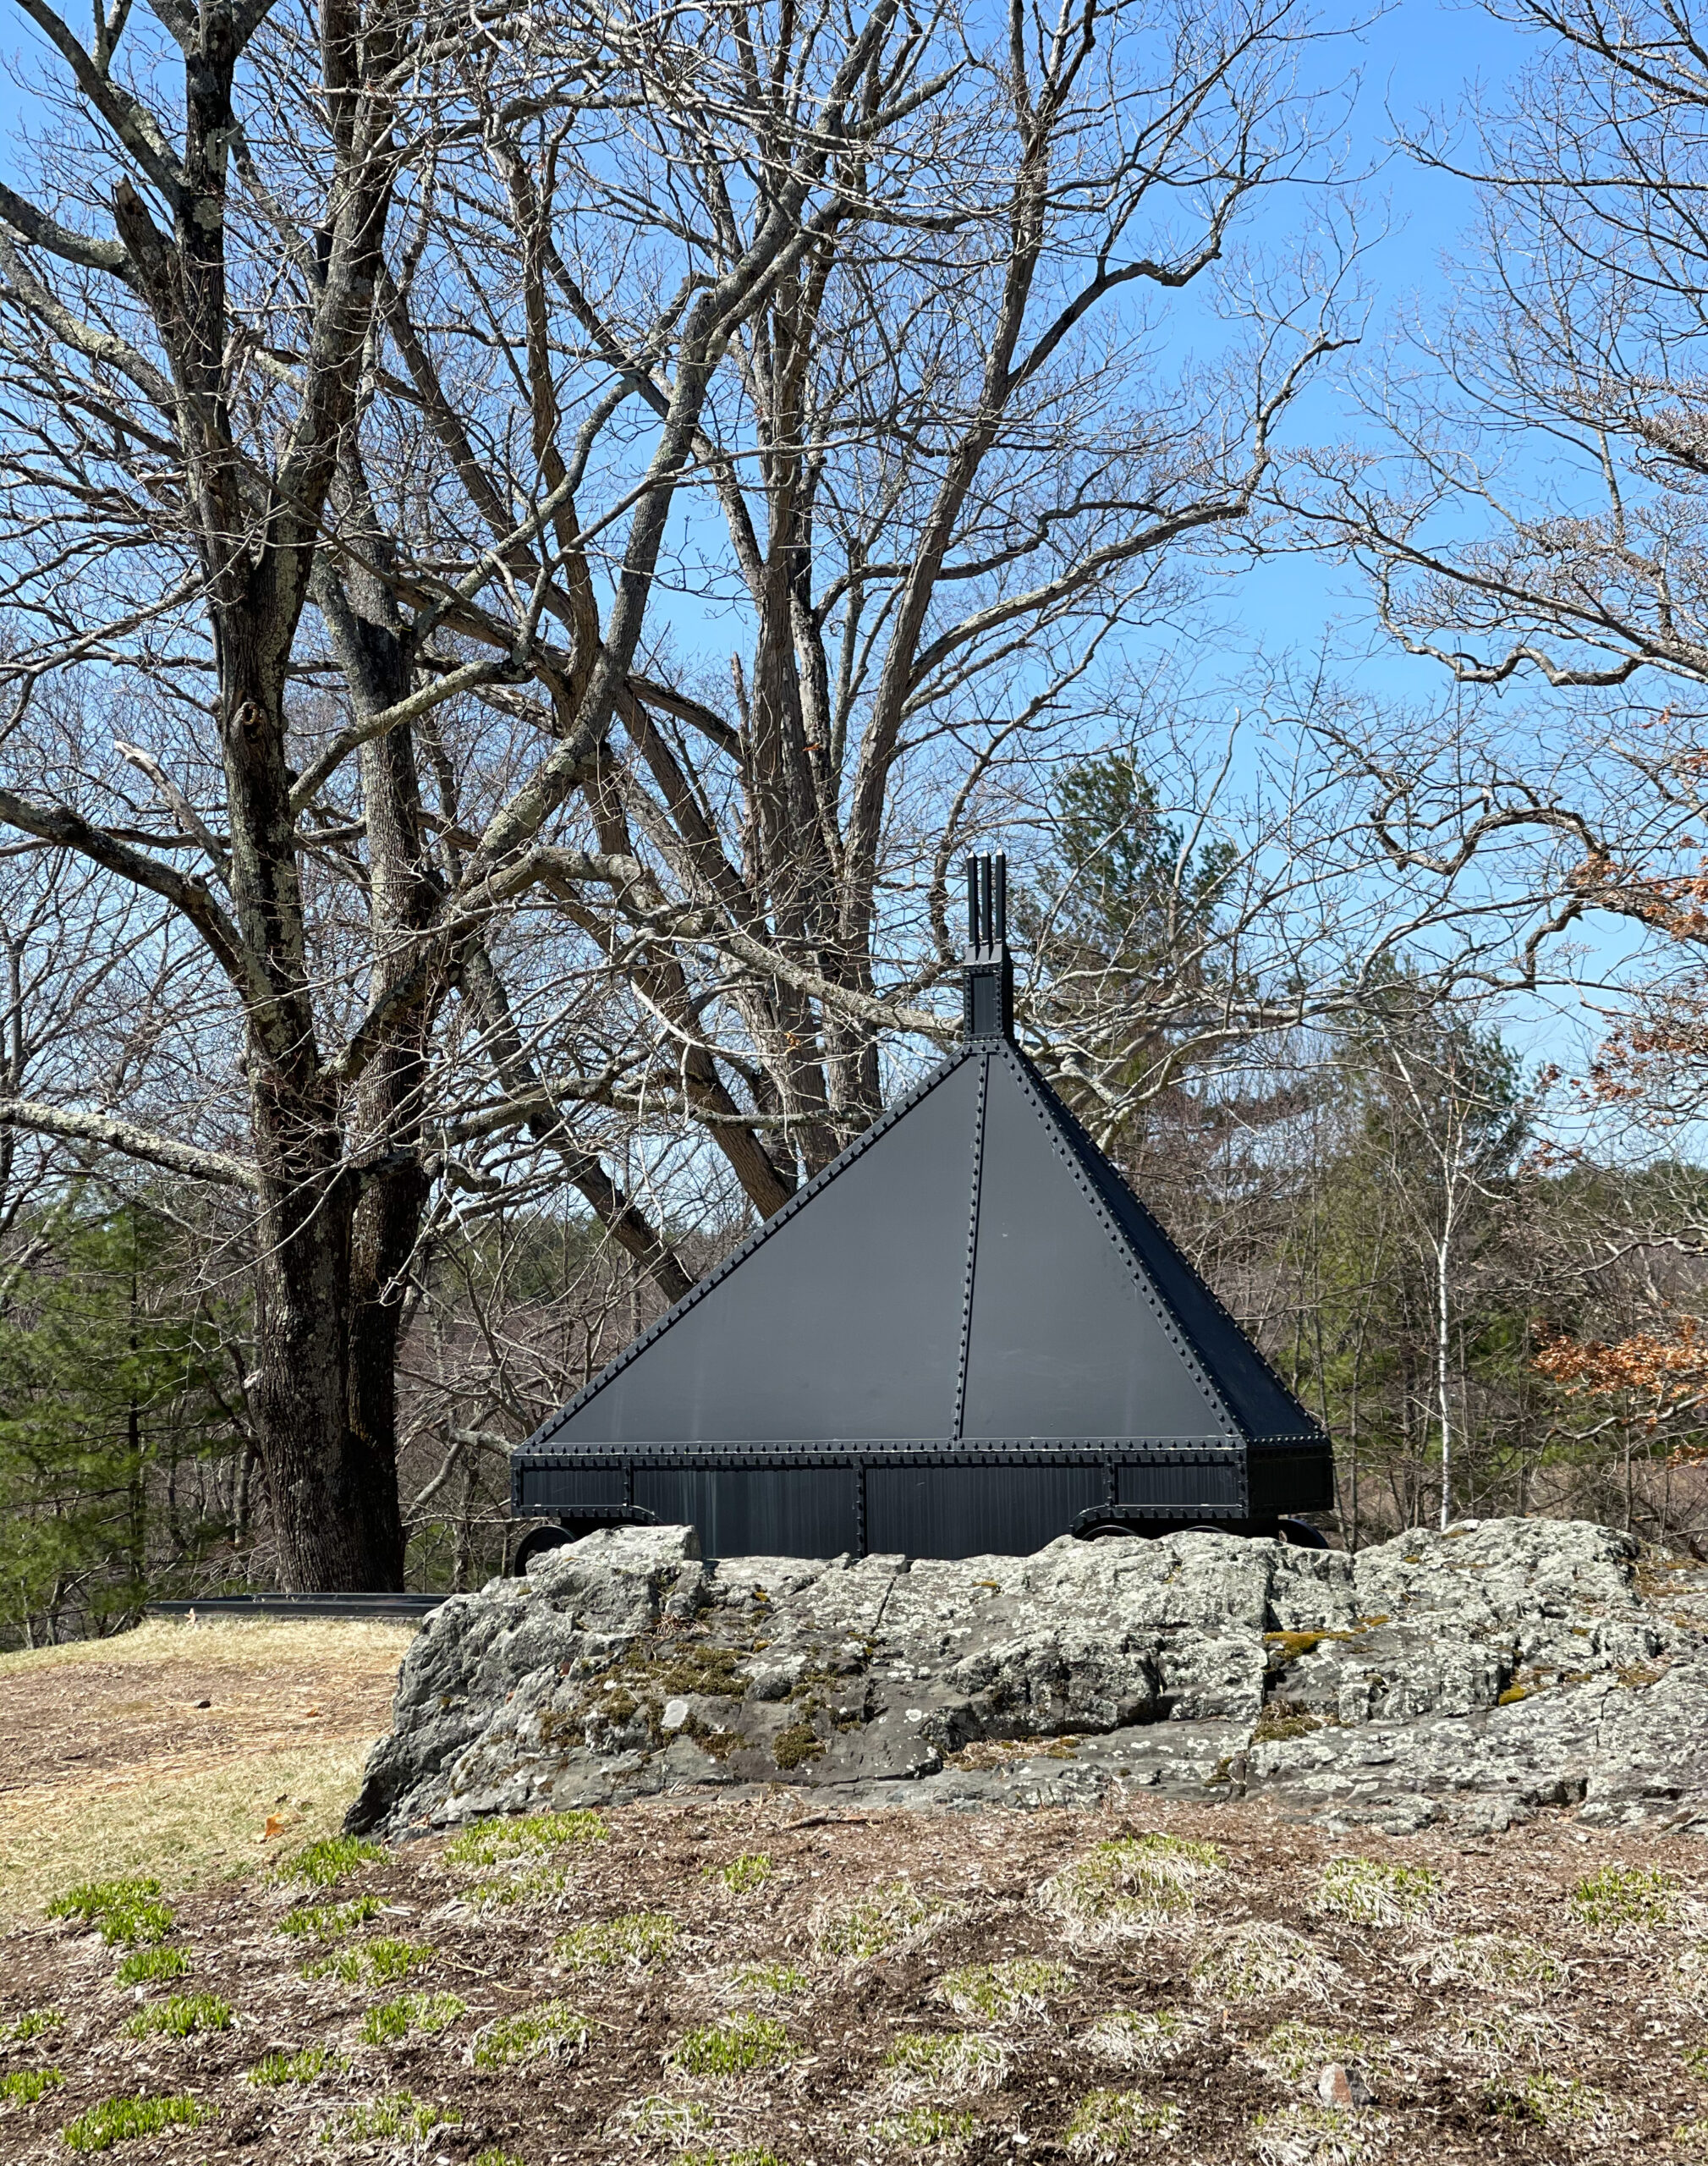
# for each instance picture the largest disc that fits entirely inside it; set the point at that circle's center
(389, 407)
(943, 475)
(190, 390)
(1537, 520)
(1545, 517)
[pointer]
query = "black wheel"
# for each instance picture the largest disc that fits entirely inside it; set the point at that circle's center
(1301, 1535)
(534, 1543)
(1109, 1531)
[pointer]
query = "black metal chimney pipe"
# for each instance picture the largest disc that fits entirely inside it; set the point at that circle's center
(988, 1009)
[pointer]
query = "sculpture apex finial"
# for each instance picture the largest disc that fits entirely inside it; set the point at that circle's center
(989, 1008)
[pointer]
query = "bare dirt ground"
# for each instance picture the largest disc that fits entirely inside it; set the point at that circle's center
(746, 1982)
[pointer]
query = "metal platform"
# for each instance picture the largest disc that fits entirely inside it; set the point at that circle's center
(407, 1607)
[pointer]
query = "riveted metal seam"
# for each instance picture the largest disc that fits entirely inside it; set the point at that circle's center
(1080, 1142)
(1087, 1451)
(972, 1248)
(1149, 1293)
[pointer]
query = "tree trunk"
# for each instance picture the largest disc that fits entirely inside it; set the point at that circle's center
(387, 1216)
(302, 1283)
(328, 1248)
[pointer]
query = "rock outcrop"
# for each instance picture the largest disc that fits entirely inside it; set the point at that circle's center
(1476, 1675)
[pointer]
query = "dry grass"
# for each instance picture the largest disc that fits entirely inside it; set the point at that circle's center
(106, 1754)
(236, 1646)
(899, 1987)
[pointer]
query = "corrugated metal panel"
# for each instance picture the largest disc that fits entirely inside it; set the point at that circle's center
(976, 1511)
(776, 1512)
(1210, 1488)
(554, 1489)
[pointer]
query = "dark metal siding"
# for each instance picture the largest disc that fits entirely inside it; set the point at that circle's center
(556, 1489)
(758, 1512)
(1298, 1480)
(1261, 1402)
(842, 1322)
(976, 1511)
(1185, 1489)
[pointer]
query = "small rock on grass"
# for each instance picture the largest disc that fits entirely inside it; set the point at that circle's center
(1344, 2084)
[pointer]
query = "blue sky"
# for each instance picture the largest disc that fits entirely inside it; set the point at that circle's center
(1418, 59)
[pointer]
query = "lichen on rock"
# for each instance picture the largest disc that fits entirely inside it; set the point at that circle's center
(1482, 1673)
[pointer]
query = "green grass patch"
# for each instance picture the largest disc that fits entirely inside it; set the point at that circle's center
(496, 2155)
(921, 2127)
(329, 1920)
(1621, 1898)
(399, 2113)
(635, 1941)
(26, 2086)
(1542, 2099)
(943, 2061)
(1133, 2039)
(385, 1962)
(1000, 1992)
(180, 2016)
(129, 1912)
(552, 2027)
(656, 2120)
(768, 1981)
(34, 2023)
(1296, 2050)
(741, 1875)
(1314, 2136)
(1114, 2124)
(152, 1967)
(121, 2120)
(301, 2067)
(736, 2048)
(1263, 1962)
(1135, 1881)
(1372, 1894)
(1500, 2039)
(890, 1913)
(709, 2155)
(540, 1883)
(395, 2020)
(492, 1841)
(333, 1858)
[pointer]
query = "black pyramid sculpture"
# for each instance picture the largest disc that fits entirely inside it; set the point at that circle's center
(966, 1335)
